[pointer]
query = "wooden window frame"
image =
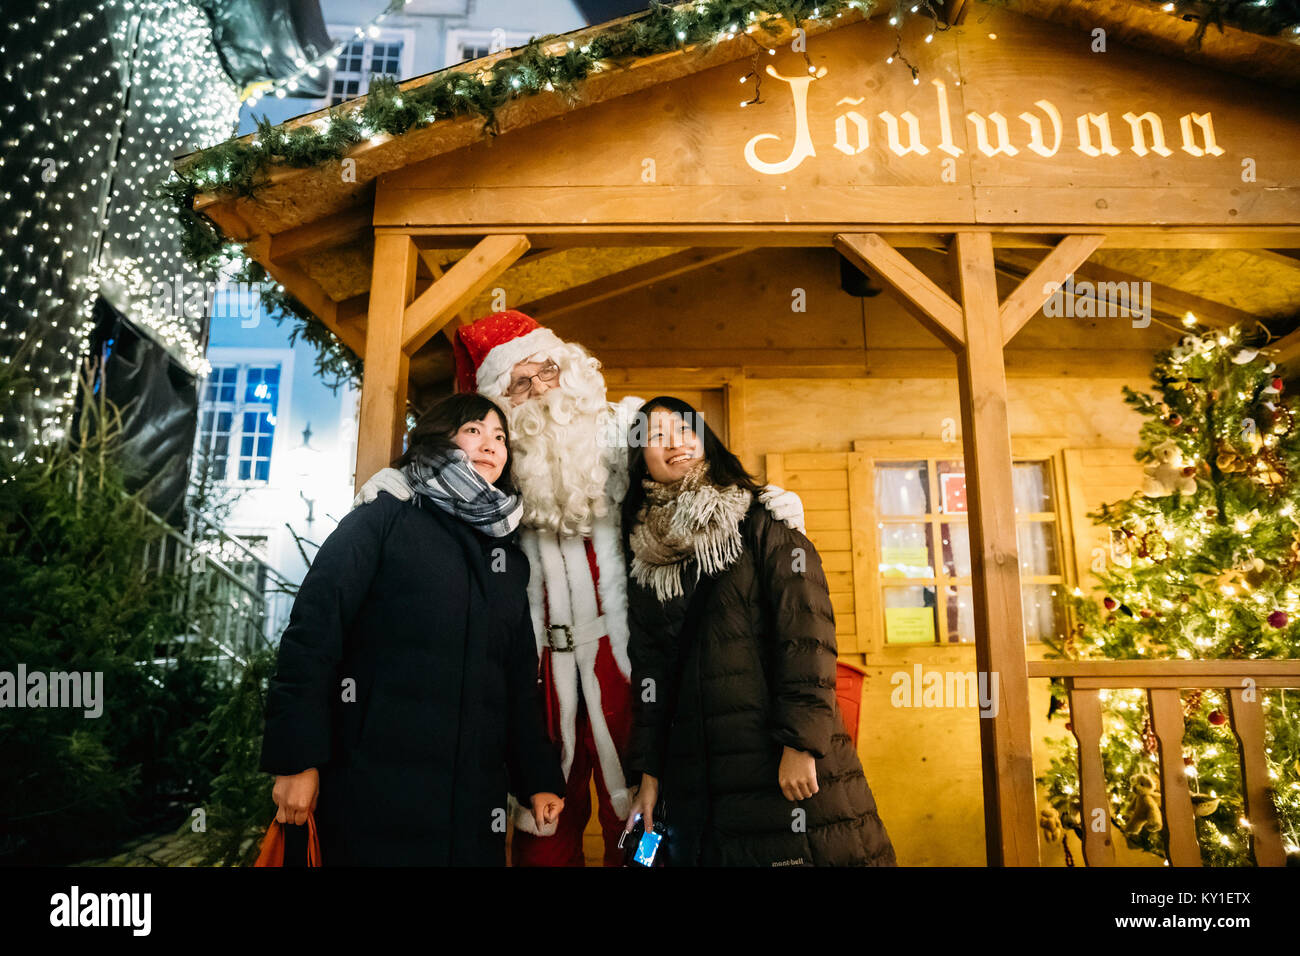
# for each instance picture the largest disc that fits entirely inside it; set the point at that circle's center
(1048, 450)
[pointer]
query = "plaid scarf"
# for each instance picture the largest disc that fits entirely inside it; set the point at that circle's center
(447, 478)
(687, 518)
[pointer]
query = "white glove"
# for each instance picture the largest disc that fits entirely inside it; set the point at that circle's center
(785, 506)
(386, 479)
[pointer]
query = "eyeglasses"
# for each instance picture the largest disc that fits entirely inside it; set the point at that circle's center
(524, 383)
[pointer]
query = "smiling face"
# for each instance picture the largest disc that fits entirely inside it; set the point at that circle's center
(485, 444)
(672, 448)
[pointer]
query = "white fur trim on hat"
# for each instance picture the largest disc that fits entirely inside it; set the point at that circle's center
(507, 355)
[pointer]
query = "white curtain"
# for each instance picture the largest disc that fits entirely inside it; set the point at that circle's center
(902, 489)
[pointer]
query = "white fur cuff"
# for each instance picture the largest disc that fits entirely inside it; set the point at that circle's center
(621, 801)
(523, 819)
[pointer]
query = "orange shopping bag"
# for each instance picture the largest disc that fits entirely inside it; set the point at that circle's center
(272, 853)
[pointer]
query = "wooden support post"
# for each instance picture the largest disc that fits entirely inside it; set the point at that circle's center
(1030, 295)
(1248, 725)
(1094, 811)
(383, 385)
(973, 329)
(458, 287)
(1166, 708)
(919, 296)
(1010, 814)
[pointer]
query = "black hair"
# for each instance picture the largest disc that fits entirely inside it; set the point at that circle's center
(725, 468)
(437, 427)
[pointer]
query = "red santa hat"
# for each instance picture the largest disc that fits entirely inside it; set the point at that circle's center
(491, 346)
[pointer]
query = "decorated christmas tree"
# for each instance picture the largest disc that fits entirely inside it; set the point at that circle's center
(1204, 564)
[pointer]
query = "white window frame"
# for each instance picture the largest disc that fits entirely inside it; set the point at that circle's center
(458, 37)
(340, 33)
(261, 358)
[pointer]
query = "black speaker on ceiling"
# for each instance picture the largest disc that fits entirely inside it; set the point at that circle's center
(856, 282)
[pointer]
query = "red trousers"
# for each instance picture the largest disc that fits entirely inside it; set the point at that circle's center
(564, 847)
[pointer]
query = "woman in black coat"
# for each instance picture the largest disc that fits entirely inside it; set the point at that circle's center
(736, 731)
(405, 706)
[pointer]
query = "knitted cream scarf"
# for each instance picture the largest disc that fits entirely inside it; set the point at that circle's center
(687, 518)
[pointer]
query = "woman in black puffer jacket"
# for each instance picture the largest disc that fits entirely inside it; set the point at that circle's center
(736, 734)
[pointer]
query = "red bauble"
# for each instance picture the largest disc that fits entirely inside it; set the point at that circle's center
(1109, 603)
(1175, 420)
(1146, 612)
(1278, 619)
(1069, 726)
(1187, 761)
(1218, 718)
(1277, 384)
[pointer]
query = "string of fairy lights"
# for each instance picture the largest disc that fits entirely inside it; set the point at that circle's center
(313, 68)
(115, 92)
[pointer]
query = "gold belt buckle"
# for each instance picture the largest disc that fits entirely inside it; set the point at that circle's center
(568, 636)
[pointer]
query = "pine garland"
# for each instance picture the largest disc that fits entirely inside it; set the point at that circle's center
(240, 167)
(1265, 17)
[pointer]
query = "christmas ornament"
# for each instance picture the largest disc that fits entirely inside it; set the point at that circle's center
(1218, 718)
(1278, 619)
(1165, 474)
(1144, 809)
(1049, 821)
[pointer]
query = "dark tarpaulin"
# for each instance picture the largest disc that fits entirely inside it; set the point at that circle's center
(289, 29)
(598, 11)
(158, 400)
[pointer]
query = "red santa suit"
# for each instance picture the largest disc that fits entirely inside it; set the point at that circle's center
(578, 595)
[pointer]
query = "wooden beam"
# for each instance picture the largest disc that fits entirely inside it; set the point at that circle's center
(1286, 350)
(339, 229)
(1029, 296)
(458, 287)
(924, 300)
(1010, 811)
(954, 12)
(618, 283)
(430, 259)
(900, 236)
(387, 367)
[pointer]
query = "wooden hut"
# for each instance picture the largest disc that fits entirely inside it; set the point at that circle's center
(712, 245)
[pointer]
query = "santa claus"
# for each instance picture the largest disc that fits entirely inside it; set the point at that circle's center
(569, 449)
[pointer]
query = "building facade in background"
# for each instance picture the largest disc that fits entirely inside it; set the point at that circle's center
(279, 440)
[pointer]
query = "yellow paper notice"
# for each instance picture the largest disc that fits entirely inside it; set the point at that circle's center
(909, 625)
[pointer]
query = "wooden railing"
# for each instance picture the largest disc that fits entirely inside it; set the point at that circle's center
(1242, 681)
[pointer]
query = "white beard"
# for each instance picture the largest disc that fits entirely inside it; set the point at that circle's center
(558, 459)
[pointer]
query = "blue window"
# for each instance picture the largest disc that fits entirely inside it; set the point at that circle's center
(237, 421)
